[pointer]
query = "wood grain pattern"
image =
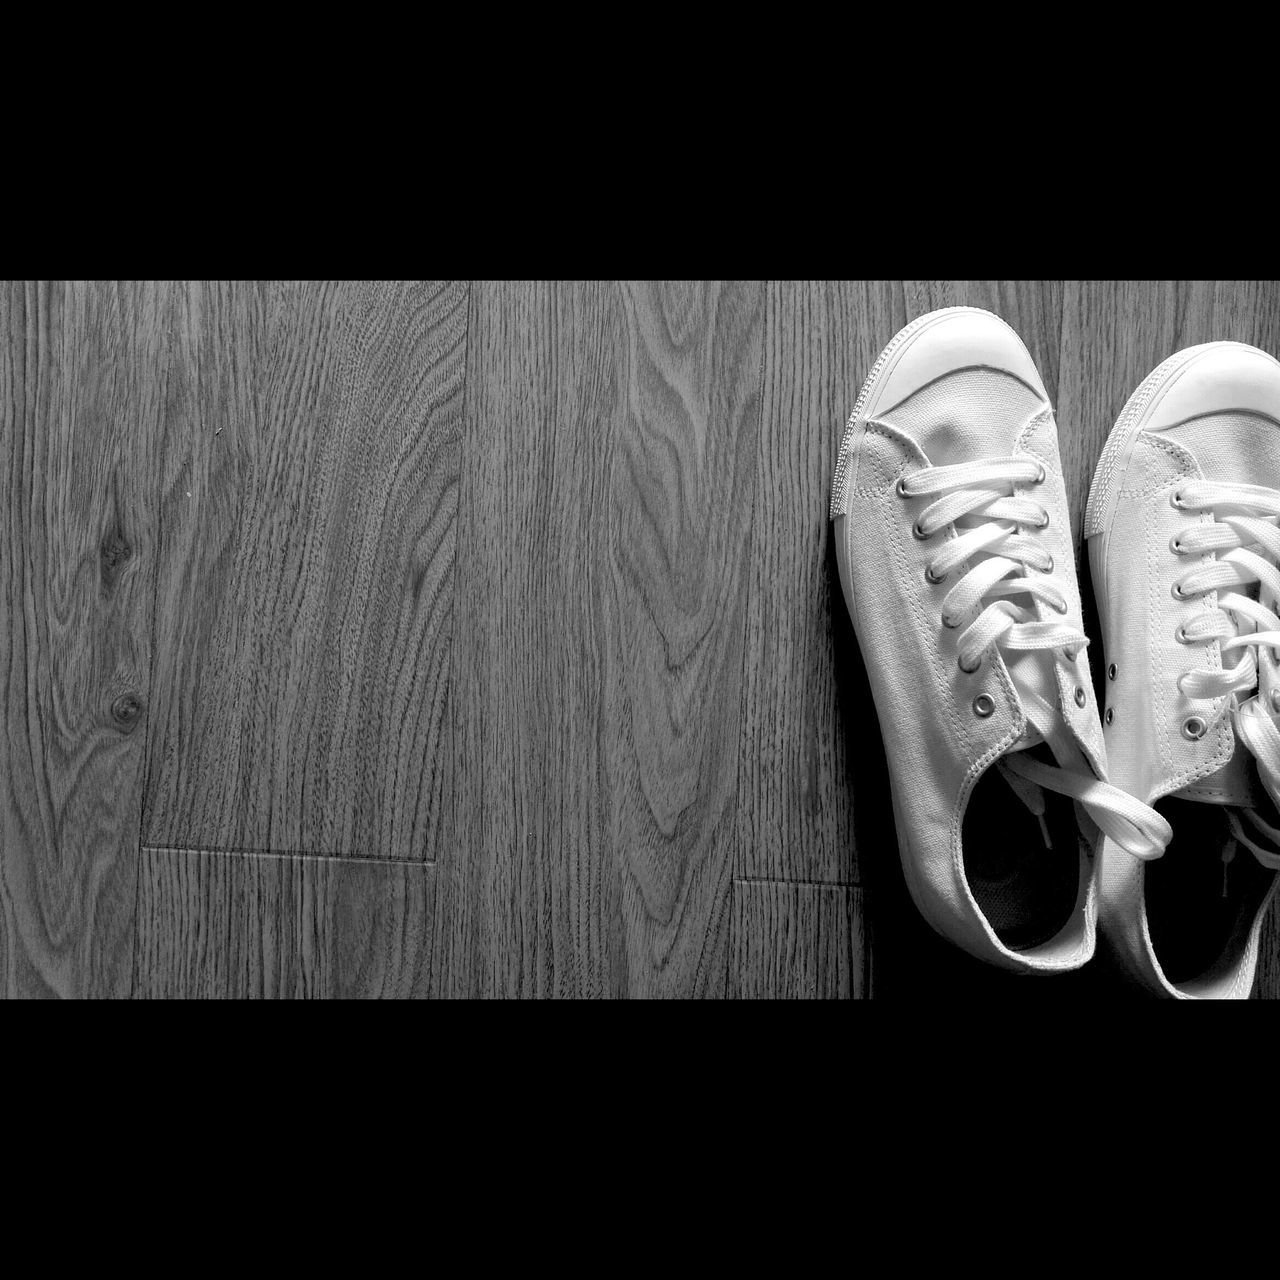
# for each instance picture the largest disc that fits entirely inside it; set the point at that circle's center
(797, 942)
(525, 588)
(235, 926)
(304, 611)
(82, 375)
(798, 779)
(605, 537)
(1266, 982)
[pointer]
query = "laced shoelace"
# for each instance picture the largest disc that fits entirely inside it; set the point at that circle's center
(981, 501)
(1246, 541)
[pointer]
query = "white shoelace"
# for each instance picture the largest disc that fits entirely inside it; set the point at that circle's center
(981, 501)
(1245, 517)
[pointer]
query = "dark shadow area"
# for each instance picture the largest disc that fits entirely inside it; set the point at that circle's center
(1198, 908)
(908, 959)
(1024, 877)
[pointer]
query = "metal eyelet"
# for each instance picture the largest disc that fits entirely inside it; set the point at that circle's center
(1275, 699)
(1180, 635)
(935, 578)
(919, 534)
(1111, 715)
(902, 487)
(1065, 607)
(950, 623)
(1193, 727)
(1080, 696)
(1049, 567)
(1042, 475)
(1044, 523)
(1178, 593)
(968, 670)
(1112, 671)
(1175, 500)
(983, 705)
(1175, 545)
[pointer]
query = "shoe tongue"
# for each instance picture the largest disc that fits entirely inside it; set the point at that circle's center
(1033, 676)
(961, 417)
(979, 413)
(975, 413)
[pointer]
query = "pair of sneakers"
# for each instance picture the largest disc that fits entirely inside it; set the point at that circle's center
(1028, 818)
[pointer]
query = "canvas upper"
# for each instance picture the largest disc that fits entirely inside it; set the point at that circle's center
(985, 764)
(1183, 542)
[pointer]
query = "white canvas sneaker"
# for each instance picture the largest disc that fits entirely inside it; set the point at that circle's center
(1183, 545)
(958, 569)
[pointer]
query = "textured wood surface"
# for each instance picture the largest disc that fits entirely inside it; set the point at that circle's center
(604, 549)
(797, 942)
(231, 926)
(435, 639)
(82, 382)
(303, 620)
(795, 811)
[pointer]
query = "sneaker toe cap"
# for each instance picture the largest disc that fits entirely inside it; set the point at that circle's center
(963, 338)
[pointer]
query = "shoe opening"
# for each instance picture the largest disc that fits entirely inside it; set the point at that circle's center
(1200, 907)
(1023, 870)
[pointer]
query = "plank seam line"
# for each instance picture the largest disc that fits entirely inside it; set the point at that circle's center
(814, 884)
(298, 855)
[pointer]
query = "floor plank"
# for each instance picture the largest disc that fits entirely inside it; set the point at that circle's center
(798, 764)
(236, 926)
(797, 942)
(304, 614)
(1266, 982)
(603, 552)
(81, 401)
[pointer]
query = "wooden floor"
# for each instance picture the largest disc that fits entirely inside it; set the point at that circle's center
(474, 639)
